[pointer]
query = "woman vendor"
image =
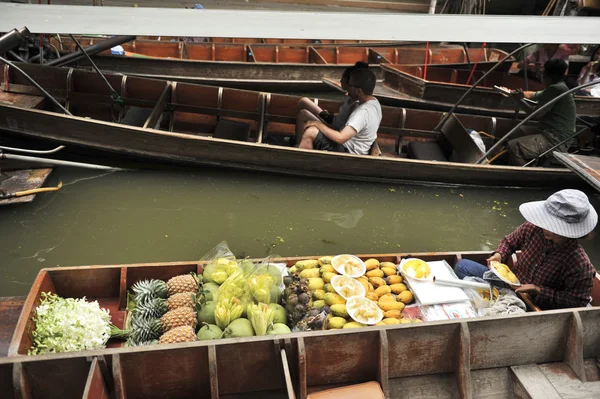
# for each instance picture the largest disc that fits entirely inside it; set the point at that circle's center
(553, 268)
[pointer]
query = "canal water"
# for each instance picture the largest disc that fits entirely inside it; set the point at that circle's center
(151, 216)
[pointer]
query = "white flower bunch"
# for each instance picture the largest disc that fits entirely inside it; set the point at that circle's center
(66, 325)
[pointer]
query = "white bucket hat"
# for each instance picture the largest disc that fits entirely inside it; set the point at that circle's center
(567, 213)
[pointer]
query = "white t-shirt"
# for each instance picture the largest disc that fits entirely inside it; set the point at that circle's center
(365, 120)
(340, 119)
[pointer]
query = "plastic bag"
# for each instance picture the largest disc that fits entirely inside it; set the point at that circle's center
(220, 264)
(508, 303)
(479, 299)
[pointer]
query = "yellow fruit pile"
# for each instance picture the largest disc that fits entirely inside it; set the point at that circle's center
(505, 272)
(381, 283)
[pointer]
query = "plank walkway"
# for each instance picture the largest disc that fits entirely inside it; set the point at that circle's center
(10, 309)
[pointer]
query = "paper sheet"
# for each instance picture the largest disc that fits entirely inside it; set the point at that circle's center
(429, 293)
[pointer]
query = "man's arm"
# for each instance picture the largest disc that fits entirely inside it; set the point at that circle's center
(512, 242)
(337, 137)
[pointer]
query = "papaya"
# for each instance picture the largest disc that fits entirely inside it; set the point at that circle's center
(354, 324)
(389, 305)
(393, 314)
(327, 276)
(310, 273)
(395, 279)
(335, 323)
(405, 297)
(377, 281)
(384, 289)
(334, 299)
(398, 288)
(389, 271)
(374, 273)
(387, 297)
(371, 264)
(372, 296)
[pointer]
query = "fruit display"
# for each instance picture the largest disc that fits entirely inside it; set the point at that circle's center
(416, 268)
(504, 272)
(347, 287)
(348, 265)
(364, 311)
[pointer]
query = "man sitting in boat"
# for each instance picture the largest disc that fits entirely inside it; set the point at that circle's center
(553, 267)
(309, 111)
(360, 131)
(556, 123)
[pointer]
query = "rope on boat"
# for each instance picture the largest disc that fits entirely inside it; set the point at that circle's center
(548, 104)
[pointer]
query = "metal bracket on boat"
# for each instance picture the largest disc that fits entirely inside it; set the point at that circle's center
(219, 102)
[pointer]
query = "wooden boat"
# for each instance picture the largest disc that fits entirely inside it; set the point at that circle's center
(405, 86)
(503, 356)
(269, 66)
(18, 180)
(204, 125)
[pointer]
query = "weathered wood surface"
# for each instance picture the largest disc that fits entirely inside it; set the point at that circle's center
(13, 181)
(531, 383)
(10, 309)
(588, 168)
(195, 111)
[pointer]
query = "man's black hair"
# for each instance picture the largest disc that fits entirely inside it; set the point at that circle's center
(363, 79)
(350, 69)
(555, 70)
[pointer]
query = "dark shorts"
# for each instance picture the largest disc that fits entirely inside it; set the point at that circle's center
(321, 142)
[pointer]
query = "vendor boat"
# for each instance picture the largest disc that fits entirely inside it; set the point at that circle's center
(500, 356)
(180, 123)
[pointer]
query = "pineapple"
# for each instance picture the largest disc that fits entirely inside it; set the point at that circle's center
(179, 317)
(144, 330)
(178, 334)
(154, 308)
(183, 283)
(130, 342)
(182, 299)
(146, 290)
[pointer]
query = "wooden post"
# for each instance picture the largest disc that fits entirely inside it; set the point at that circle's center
(302, 368)
(95, 386)
(20, 383)
(120, 392)
(463, 362)
(574, 348)
(213, 372)
(383, 370)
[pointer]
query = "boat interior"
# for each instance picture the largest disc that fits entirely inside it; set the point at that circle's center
(241, 115)
(297, 52)
(437, 359)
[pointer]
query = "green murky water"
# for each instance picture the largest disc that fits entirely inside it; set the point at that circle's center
(151, 216)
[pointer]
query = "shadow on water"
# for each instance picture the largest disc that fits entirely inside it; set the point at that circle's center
(151, 216)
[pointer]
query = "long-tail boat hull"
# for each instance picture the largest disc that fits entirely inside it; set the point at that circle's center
(514, 355)
(271, 67)
(204, 125)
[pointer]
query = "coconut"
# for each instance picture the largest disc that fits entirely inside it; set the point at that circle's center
(207, 313)
(212, 290)
(280, 315)
(279, 328)
(239, 328)
(208, 332)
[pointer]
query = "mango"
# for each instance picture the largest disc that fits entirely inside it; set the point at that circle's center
(310, 273)
(377, 281)
(397, 314)
(334, 299)
(293, 269)
(318, 304)
(316, 284)
(339, 310)
(335, 323)
(405, 321)
(371, 288)
(324, 260)
(327, 268)
(406, 297)
(391, 321)
(384, 289)
(364, 283)
(387, 264)
(327, 276)
(389, 305)
(371, 264)
(354, 324)
(306, 264)
(387, 297)
(398, 288)
(329, 288)
(380, 323)
(372, 296)
(391, 280)
(388, 271)
(318, 295)
(374, 273)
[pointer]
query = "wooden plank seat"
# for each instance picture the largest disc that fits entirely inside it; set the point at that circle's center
(232, 130)
(426, 151)
(371, 390)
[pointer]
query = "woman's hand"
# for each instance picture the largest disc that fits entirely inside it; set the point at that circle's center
(530, 289)
(494, 258)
